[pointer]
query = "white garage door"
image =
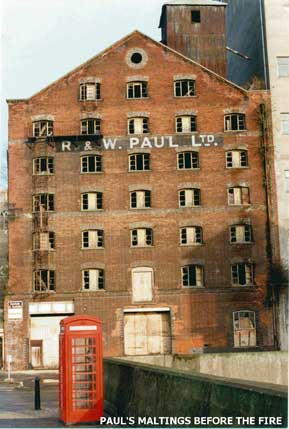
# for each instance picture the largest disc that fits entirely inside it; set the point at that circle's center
(147, 333)
(44, 333)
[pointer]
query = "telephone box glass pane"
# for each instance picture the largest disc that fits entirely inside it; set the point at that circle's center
(84, 389)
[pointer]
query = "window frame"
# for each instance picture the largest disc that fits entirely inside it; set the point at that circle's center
(147, 196)
(193, 124)
(240, 161)
(238, 328)
(234, 233)
(49, 170)
(251, 274)
(85, 125)
(198, 235)
(47, 123)
(240, 118)
(178, 87)
(36, 240)
(188, 267)
(100, 238)
(130, 86)
(83, 91)
(242, 196)
(51, 281)
(100, 279)
(47, 203)
(148, 237)
(131, 126)
(97, 164)
(98, 201)
(196, 195)
(133, 159)
(192, 161)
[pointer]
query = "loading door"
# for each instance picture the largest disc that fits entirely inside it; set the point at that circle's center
(44, 333)
(147, 333)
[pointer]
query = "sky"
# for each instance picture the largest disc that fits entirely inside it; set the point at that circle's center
(41, 40)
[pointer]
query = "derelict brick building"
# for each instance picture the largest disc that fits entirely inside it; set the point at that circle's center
(137, 183)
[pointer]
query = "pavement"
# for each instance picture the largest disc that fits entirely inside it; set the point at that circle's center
(17, 401)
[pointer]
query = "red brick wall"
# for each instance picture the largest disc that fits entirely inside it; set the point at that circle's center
(198, 316)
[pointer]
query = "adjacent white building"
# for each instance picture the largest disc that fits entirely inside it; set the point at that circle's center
(277, 37)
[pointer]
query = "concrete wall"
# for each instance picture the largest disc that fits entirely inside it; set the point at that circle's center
(136, 390)
(277, 35)
(267, 367)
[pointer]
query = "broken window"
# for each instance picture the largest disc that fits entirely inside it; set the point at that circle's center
(44, 281)
(44, 241)
(142, 237)
(93, 279)
(90, 126)
(235, 122)
(142, 284)
(189, 197)
(242, 274)
(91, 201)
(196, 16)
(184, 88)
(92, 239)
(140, 199)
(43, 202)
(138, 126)
(236, 159)
(139, 162)
(191, 235)
(137, 90)
(192, 276)
(244, 323)
(43, 165)
(188, 160)
(42, 128)
(186, 124)
(241, 234)
(91, 164)
(90, 91)
(238, 196)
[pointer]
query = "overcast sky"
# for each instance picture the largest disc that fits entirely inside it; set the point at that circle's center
(44, 39)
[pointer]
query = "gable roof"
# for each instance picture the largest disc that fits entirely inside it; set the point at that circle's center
(121, 42)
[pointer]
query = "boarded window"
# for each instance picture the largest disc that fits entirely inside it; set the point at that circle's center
(191, 235)
(238, 196)
(186, 124)
(189, 197)
(92, 239)
(236, 159)
(241, 234)
(244, 329)
(93, 279)
(92, 201)
(142, 237)
(90, 91)
(142, 284)
(138, 126)
(140, 199)
(44, 241)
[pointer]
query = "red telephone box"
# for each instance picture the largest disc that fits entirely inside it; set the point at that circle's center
(80, 370)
